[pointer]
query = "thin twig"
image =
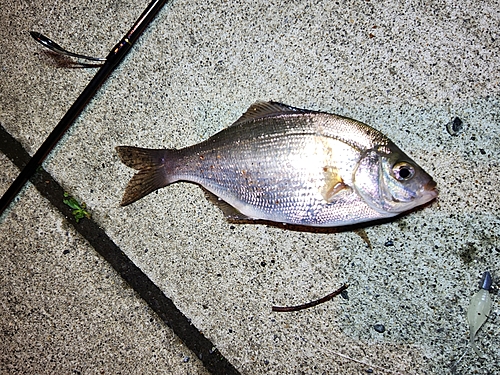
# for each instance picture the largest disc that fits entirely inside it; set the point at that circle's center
(312, 303)
(455, 365)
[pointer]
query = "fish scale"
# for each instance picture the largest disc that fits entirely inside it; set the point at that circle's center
(289, 165)
(278, 184)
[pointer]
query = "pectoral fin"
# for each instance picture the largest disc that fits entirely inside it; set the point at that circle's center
(334, 184)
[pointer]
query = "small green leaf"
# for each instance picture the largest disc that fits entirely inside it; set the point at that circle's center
(79, 210)
(72, 203)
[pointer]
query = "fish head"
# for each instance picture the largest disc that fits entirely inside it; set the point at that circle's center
(390, 182)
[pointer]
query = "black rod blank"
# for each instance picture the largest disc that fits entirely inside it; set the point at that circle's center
(112, 60)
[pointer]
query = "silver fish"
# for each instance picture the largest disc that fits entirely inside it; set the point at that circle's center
(290, 165)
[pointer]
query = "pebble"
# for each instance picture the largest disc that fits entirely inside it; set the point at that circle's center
(455, 126)
(379, 328)
(344, 295)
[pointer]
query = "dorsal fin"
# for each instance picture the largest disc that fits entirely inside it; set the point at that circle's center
(260, 110)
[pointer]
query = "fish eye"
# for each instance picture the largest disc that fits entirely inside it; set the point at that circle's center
(403, 171)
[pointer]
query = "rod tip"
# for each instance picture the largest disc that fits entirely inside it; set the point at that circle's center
(35, 34)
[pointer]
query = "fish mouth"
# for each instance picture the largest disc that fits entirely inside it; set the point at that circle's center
(430, 189)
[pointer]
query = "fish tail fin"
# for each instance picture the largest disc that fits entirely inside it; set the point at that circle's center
(152, 175)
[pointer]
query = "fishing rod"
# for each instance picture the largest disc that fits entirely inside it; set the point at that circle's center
(113, 59)
(50, 44)
(95, 62)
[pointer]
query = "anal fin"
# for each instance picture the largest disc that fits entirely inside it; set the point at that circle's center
(230, 213)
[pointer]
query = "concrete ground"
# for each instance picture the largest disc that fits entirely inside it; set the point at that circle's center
(166, 285)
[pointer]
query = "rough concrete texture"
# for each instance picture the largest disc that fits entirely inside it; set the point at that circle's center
(64, 310)
(406, 68)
